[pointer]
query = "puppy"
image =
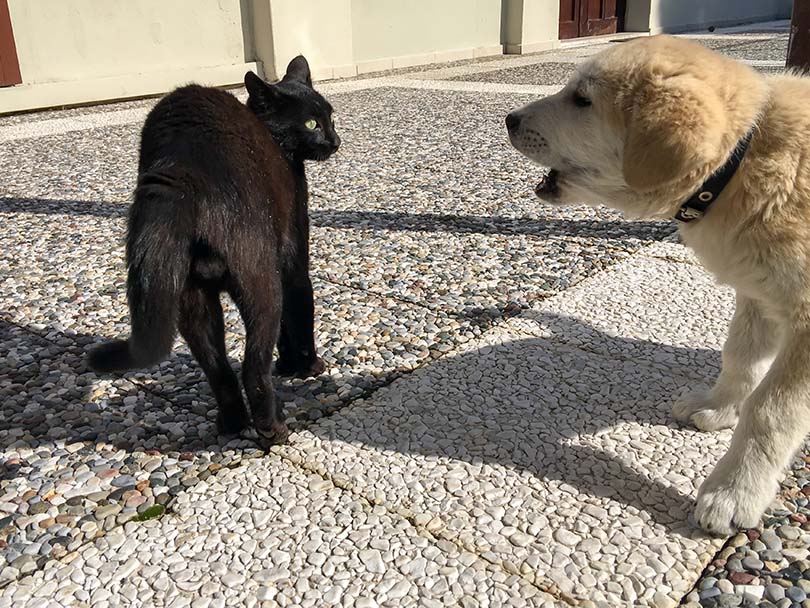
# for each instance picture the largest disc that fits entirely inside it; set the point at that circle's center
(662, 127)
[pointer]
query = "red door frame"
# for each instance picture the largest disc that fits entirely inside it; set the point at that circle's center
(569, 28)
(9, 64)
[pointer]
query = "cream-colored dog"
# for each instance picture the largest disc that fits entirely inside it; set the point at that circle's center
(663, 127)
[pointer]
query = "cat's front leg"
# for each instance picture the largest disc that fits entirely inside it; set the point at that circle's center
(296, 346)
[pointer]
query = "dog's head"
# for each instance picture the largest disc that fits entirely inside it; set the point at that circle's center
(639, 126)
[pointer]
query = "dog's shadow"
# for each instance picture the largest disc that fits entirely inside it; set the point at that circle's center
(542, 406)
(596, 419)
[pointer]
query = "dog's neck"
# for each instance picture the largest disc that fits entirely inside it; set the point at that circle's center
(744, 114)
(697, 205)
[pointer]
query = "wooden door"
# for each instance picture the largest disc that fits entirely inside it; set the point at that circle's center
(590, 17)
(9, 66)
(597, 17)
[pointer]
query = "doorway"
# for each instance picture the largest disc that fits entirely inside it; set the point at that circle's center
(580, 18)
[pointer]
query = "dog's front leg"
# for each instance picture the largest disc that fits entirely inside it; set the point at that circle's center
(747, 354)
(773, 423)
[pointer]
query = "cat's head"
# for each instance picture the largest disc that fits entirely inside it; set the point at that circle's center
(297, 115)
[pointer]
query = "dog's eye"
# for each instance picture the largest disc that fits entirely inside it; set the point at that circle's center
(311, 124)
(581, 101)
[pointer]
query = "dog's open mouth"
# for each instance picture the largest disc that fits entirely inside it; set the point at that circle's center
(548, 185)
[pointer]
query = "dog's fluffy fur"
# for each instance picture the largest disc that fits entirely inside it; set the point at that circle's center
(639, 128)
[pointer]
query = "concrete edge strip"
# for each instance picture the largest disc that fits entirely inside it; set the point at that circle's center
(60, 126)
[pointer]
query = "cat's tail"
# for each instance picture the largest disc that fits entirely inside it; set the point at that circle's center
(158, 248)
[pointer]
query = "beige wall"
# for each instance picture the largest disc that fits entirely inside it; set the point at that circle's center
(530, 25)
(84, 39)
(83, 51)
(319, 29)
(80, 51)
(673, 15)
(637, 16)
(383, 29)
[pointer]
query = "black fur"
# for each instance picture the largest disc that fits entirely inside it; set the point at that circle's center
(221, 205)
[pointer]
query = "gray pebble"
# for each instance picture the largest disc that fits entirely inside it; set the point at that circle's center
(774, 593)
(795, 594)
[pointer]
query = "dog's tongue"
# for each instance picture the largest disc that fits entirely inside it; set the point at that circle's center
(547, 184)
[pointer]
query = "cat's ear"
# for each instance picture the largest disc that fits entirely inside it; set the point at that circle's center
(256, 87)
(299, 70)
(262, 97)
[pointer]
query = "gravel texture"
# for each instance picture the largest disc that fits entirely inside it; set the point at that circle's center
(547, 72)
(267, 532)
(772, 48)
(560, 461)
(493, 428)
(405, 271)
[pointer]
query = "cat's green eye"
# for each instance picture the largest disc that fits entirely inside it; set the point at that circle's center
(311, 124)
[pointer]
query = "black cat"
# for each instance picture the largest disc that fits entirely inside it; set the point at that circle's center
(221, 205)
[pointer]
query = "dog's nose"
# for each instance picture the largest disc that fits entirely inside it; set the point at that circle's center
(512, 122)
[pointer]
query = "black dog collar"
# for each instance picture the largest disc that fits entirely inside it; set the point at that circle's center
(699, 203)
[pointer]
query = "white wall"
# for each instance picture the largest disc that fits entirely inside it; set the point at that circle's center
(674, 15)
(319, 29)
(81, 51)
(396, 30)
(60, 40)
(530, 25)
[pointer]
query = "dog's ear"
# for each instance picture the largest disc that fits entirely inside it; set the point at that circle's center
(675, 126)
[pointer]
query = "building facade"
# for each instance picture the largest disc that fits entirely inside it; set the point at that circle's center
(64, 52)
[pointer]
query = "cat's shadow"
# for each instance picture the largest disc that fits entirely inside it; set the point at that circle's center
(533, 405)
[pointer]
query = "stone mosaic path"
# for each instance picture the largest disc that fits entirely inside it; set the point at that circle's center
(493, 428)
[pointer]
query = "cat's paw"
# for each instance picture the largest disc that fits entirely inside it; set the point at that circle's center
(733, 498)
(299, 369)
(274, 433)
(702, 411)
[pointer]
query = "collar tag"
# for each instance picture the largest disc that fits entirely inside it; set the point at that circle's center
(688, 214)
(698, 204)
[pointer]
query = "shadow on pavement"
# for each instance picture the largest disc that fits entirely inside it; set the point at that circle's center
(391, 221)
(529, 404)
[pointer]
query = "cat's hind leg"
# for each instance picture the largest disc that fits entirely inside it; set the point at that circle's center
(203, 328)
(259, 302)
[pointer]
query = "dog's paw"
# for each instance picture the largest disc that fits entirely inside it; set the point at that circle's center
(699, 409)
(728, 501)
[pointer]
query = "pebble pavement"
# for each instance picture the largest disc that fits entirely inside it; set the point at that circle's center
(493, 428)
